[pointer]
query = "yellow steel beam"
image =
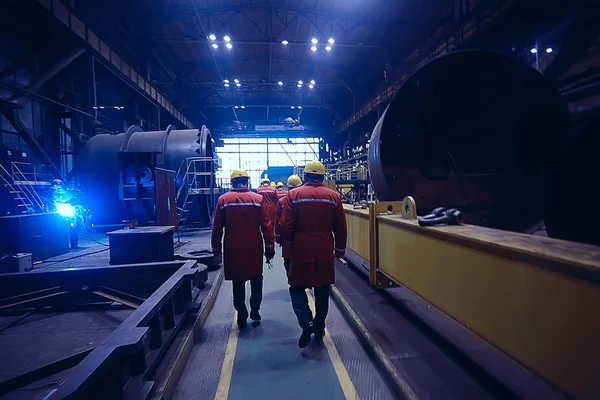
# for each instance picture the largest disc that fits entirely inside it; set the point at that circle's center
(357, 221)
(534, 298)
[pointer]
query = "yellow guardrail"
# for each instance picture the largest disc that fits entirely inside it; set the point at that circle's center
(534, 298)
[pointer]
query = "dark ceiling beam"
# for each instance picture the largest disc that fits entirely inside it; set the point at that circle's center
(262, 105)
(245, 84)
(267, 43)
(51, 72)
(338, 68)
(180, 9)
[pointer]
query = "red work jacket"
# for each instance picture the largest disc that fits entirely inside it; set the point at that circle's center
(281, 193)
(270, 196)
(313, 221)
(286, 247)
(243, 215)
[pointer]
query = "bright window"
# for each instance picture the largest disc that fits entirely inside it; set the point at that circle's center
(256, 155)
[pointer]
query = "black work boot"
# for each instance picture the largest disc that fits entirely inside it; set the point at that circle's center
(305, 336)
(319, 333)
(255, 315)
(242, 321)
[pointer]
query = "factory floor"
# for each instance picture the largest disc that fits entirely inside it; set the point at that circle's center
(34, 340)
(263, 360)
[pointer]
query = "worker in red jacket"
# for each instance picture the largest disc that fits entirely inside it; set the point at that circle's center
(293, 181)
(269, 195)
(243, 215)
(281, 192)
(313, 221)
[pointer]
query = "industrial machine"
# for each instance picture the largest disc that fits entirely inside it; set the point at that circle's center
(117, 173)
(473, 130)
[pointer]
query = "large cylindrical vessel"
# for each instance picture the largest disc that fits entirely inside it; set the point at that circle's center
(476, 130)
(112, 162)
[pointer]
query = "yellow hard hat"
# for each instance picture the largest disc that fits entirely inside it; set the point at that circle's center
(239, 173)
(314, 167)
(294, 181)
(272, 184)
(279, 184)
(265, 180)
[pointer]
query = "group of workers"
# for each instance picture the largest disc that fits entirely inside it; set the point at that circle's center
(307, 221)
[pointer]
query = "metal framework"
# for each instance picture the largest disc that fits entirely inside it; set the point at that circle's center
(162, 295)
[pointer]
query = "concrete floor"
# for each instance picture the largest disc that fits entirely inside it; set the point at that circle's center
(263, 361)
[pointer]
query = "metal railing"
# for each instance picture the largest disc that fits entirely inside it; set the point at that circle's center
(21, 189)
(347, 171)
(25, 184)
(198, 179)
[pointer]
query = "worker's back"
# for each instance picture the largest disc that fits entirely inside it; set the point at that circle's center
(315, 208)
(242, 210)
(269, 194)
(242, 214)
(311, 216)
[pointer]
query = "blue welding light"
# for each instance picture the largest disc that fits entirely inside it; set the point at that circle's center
(66, 210)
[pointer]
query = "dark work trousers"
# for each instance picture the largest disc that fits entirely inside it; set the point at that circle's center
(286, 263)
(302, 310)
(239, 295)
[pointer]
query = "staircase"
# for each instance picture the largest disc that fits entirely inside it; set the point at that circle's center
(197, 188)
(21, 189)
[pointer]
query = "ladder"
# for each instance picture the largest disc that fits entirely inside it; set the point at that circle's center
(198, 180)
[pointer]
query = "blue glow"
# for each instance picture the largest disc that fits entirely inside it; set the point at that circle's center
(66, 210)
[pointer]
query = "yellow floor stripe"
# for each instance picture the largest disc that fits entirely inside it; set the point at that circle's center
(227, 369)
(340, 370)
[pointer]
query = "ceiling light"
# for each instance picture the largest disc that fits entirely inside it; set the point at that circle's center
(212, 37)
(314, 48)
(95, 108)
(243, 106)
(314, 40)
(300, 82)
(280, 83)
(229, 46)
(300, 107)
(225, 80)
(101, 107)
(227, 38)
(215, 46)
(235, 107)
(533, 50)
(292, 107)
(226, 85)
(238, 84)
(328, 48)
(331, 40)
(299, 85)
(117, 108)
(312, 81)
(549, 50)
(284, 42)
(236, 80)
(311, 86)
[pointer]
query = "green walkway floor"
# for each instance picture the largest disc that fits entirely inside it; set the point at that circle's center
(263, 361)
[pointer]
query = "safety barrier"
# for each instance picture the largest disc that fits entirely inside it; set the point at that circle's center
(533, 298)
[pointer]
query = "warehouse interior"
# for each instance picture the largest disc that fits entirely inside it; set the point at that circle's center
(121, 123)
